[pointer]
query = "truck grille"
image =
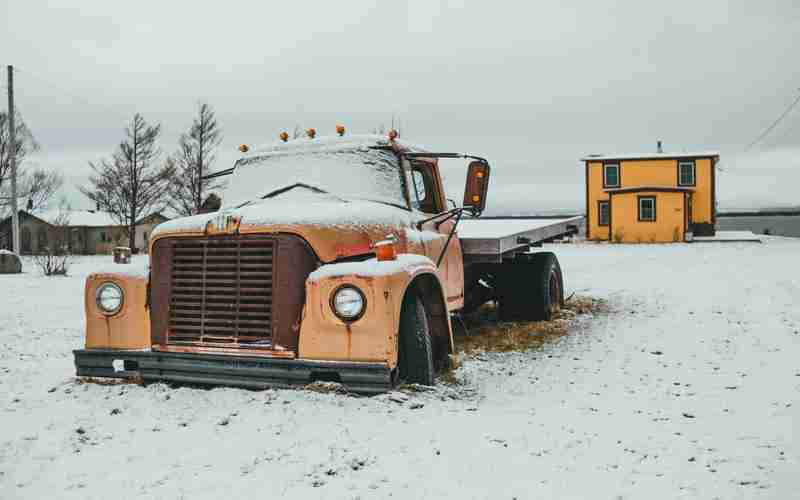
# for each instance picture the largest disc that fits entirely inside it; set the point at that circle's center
(221, 292)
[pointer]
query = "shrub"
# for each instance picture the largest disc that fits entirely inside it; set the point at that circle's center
(55, 259)
(53, 263)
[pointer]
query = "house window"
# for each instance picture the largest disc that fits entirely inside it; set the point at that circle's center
(603, 213)
(611, 175)
(647, 208)
(686, 171)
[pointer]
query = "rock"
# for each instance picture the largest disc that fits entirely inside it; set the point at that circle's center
(688, 415)
(224, 421)
(692, 459)
(656, 353)
(416, 406)
(10, 263)
(115, 411)
(81, 431)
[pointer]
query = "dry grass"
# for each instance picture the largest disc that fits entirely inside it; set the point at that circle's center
(326, 387)
(133, 380)
(486, 334)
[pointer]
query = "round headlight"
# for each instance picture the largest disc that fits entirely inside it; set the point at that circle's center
(348, 303)
(109, 297)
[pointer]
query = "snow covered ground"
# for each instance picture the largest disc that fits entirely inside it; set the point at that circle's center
(690, 388)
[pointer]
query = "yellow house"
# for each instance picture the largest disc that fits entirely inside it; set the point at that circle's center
(649, 198)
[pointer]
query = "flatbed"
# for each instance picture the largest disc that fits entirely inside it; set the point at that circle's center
(489, 240)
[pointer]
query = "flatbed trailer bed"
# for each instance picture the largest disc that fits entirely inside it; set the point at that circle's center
(491, 240)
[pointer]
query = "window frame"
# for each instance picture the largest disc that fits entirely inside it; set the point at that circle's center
(600, 204)
(431, 204)
(639, 200)
(618, 165)
(691, 163)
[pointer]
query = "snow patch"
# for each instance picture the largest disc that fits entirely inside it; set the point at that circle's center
(134, 270)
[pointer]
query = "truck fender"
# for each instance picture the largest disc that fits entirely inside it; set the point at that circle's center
(384, 283)
(128, 328)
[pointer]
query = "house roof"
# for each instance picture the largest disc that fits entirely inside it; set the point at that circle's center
(651, 156)
(83, 218)
(634, 189)
(78, 218)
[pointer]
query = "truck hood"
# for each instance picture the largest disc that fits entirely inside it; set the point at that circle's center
(334, 227)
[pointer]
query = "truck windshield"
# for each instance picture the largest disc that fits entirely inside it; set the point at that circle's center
(360, 172)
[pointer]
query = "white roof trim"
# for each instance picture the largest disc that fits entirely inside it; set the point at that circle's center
(650, 156)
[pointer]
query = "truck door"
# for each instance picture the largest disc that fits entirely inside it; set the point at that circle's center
(427, 196)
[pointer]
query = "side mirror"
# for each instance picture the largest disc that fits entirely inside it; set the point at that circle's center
(477, 186)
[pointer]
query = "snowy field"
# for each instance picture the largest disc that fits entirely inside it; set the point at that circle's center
(689, 388)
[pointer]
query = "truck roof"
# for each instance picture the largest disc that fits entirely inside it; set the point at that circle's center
(329, 143)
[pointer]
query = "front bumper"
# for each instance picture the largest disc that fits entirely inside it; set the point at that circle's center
(226, 370)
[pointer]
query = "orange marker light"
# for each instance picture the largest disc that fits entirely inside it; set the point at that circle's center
(340, 129)
(311, 133)
(244, 148)
(393, 134)
(385, 250)
(284, 136)
(476, 199)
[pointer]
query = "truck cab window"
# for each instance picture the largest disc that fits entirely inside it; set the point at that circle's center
(422, 198)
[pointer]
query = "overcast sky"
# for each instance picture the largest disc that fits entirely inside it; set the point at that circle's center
(533, 86)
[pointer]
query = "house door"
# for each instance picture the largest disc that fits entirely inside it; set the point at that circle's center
(689, 228)
(26, 240)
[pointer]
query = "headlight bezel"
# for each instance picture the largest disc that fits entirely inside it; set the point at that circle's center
(97, 298)
(347, 288)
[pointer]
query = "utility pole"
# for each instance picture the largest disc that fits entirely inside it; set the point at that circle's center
(12, 159)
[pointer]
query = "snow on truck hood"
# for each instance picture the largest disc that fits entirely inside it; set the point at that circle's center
(310, 210)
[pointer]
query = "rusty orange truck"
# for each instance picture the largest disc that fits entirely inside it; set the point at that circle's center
(334, 259)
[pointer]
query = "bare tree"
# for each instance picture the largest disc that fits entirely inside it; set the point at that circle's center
(39, 186)
(132, 184)
(25, 145)
(193, 160)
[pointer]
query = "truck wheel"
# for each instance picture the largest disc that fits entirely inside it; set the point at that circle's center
(548, 286)
(532, 291)
(415, 349)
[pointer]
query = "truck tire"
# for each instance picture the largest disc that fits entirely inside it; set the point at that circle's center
(415, 349)
(532, 291)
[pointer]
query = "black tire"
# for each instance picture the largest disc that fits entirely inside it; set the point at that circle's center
(532, 291)
(415, 349)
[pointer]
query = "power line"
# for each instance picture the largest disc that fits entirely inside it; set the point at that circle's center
(775, 123)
